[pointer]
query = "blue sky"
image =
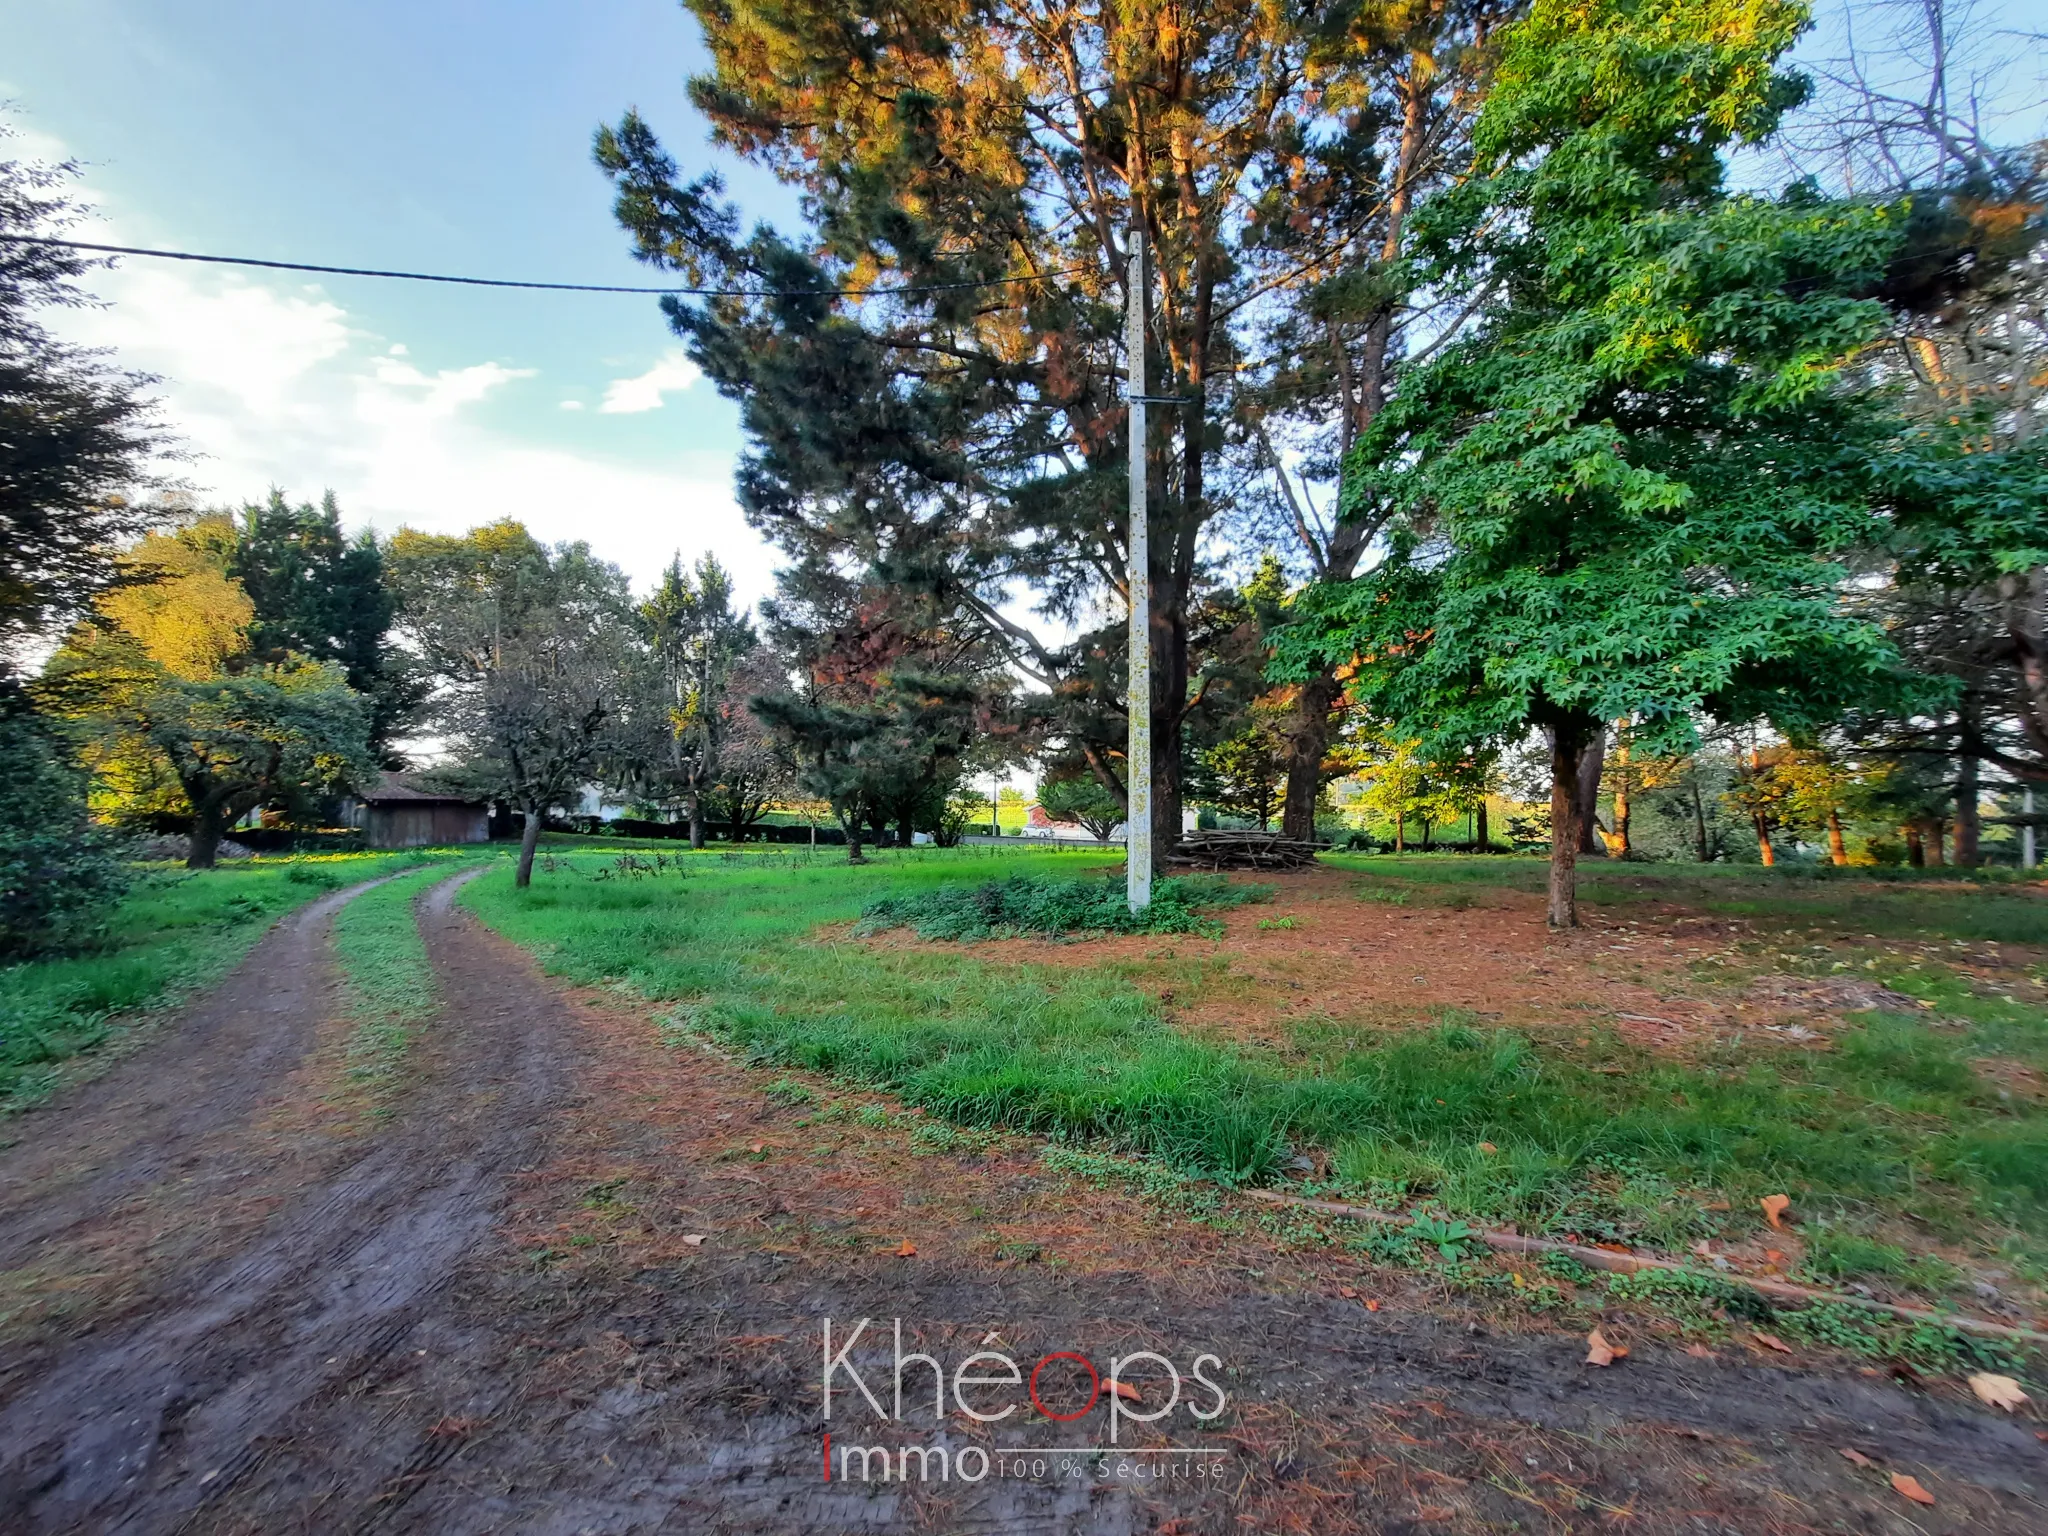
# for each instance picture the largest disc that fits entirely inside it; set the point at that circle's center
(445, 135)
(442, 135)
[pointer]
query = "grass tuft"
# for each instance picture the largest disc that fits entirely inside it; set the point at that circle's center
(999, 909)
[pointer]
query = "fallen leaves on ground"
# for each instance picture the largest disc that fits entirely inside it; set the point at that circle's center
(908, 1250)
(694, 1240)
(1599, 1351)
(1699, 1351)
(1851, 1454)
(1775, 1207)
(1909, 1487)
(1124, 1390)
(1772, 1341)
(1998, 1391)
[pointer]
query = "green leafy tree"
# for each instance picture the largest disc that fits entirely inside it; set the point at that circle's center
(227, 742)
(1629, 491)
(897, 757)
(697, 639)
(176, 715)
(318, 594)
(1245, 774)
(536, 659)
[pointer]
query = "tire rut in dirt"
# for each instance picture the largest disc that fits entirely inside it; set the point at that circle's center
(154, 1116)
(133, 1430)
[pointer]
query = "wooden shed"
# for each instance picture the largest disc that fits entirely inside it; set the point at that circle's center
(401, 815)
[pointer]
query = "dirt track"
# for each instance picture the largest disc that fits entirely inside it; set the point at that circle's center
(370, 1343)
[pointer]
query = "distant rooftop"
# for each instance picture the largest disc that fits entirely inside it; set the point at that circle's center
(393, 787)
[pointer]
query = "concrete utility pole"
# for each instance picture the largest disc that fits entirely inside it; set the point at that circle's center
(1138, 570)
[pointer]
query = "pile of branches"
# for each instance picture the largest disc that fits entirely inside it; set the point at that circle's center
(1242, 850)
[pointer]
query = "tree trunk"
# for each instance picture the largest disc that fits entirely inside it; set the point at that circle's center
(1699, 824)
(1764, 851)
(1571, 740)
(1618, 844)
(1916, 846)
(696, 822)
(1936, 834)
(1400, 832)
(1592, 759)
(1967, 826)
(1481, 838)
(1838, 849)
(1308, 739)
(209, 824)
(905, 833)
(1427, 827)
(529, 840)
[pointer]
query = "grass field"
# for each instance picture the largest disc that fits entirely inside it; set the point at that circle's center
(1892, 1142)
(176, 933)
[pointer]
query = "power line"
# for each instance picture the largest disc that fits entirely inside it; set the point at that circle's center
(507, 282)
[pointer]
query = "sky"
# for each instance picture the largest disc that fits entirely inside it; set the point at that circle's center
(438, 135)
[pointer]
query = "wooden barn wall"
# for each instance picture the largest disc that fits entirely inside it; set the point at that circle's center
(427, 825)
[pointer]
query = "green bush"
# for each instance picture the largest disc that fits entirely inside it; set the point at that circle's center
(56, 889)
(59, 877)
(1028, 904)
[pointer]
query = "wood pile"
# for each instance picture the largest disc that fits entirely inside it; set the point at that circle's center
(1242, 850)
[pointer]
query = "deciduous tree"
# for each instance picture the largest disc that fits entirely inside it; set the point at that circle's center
(1630, 490)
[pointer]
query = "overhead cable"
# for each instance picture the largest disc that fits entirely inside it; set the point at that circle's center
(508, 282)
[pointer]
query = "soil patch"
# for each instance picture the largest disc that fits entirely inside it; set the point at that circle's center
(1319, 949)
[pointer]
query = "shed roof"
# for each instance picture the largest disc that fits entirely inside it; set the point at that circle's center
(393, 789)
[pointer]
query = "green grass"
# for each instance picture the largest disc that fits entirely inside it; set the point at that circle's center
(1606, 1141)
(1035, 904)
(1986, 905)
(176, 933)
(386, 979)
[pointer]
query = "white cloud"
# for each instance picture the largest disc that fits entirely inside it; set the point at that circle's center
(643, 392)
(275, 385)
(572, 405)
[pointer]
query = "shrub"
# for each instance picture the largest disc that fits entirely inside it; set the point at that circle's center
(1028, 904)
(58, 876)
(55, 889)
